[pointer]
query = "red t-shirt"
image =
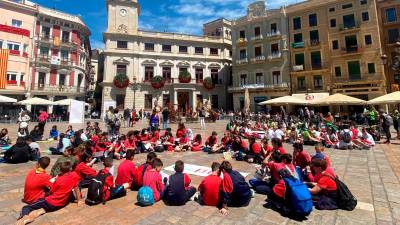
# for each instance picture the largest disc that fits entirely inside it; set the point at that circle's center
(140, 174)
(183, 140)
(36, 182)
(275, 168)
(130, 144)
(61, 191)
(179, 133)
(327, 182)
(126, 173)
(256, 148)
(210, 190)
(302, 159)
(108, 184)
(84, 171)
(153, 179)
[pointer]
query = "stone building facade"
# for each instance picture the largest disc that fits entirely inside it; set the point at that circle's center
(142, 55)
(336, 47)
(260, 56)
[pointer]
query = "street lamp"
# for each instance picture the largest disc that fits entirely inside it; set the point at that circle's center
(135, 87)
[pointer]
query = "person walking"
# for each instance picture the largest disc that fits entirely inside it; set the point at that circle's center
(154, 120)
(23, 121)
(165, 116)
(202, 116)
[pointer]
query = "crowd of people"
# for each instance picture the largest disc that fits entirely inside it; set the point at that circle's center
(260, 142)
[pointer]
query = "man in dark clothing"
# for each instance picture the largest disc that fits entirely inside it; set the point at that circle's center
(387, 122)
(235, 190)
(165, 116)
(178, 191)
(18, 153)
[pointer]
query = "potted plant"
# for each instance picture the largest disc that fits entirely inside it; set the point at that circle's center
(121, 81)
(157, 82)
(208, 83)
(185, 77)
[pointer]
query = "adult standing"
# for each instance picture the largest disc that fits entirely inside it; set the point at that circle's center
(127, 117)
(202, 115)
(154, 120)
(23, 121)
(109, 119)
(43, 117)
(165, 116)
(133, 117)
(386, 123)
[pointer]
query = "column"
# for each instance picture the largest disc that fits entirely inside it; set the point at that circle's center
(175, 99)
(194, 101)
(50, 107)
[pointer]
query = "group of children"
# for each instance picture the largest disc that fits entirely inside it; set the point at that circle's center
(73, 171)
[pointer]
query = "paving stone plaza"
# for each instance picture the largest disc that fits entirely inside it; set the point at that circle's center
(372, 176)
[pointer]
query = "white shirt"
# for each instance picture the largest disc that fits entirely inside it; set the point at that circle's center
(279, 134)
(270, 134)
(368, 137)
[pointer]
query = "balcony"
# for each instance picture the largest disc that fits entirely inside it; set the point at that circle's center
(257, 59)
(257, 38)
(171, 81)
(274, 55)
(242, 61)
(15, 52)
(317, 66)
(298, 44)
(365, 86)
(274, 34)
(349, 27)
(314, 43)
(64, 89)
(352, 50)
(242, 87)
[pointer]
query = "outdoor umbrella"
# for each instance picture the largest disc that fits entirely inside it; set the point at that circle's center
(285, 100)
(66, 102)
(35, 101)
(392, 98)
(339, 99)
(4, 99)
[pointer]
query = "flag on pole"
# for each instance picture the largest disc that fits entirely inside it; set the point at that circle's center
(3, 67)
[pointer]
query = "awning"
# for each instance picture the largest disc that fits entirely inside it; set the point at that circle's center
(296, 99)
(392, 98)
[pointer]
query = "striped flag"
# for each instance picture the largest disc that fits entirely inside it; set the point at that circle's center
(3, 67)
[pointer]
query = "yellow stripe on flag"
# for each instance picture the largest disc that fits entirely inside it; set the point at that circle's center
(3, 67)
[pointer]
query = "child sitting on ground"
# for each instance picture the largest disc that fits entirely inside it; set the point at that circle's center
(127, 172)
(60, 196)
(35, 148)
(319, 154)
(184, 144)
(178, 191)
(254, 155)
(141, 170)
(68, 155)
(110, 190)
(197, 143)
(153, 179)
(84, 169)
(54, 133)
(210, 187)
(37, 182)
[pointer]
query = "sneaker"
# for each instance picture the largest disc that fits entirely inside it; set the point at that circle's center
(253, 193)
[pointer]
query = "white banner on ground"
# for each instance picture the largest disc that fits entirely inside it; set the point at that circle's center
(196, 170)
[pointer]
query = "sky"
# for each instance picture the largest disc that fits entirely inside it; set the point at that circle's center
(182, 16)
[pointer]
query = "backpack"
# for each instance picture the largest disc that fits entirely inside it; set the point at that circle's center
(95, 193)
(145, 196)
(345, 199)
(346, 137)
(298, 196)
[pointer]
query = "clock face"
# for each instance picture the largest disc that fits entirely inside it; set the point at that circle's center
(123, 12)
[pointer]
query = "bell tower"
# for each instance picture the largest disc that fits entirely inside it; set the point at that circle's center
(122, 16)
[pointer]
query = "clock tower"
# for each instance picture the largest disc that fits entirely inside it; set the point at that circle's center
(122, 16)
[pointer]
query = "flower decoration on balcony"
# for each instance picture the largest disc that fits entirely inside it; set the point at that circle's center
(185, 77)
(208, 83)
(121, 81)
(157, 82)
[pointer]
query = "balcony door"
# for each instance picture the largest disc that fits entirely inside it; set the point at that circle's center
(349, 21)
(41, 80)
(351, 43)
(61, 80)
(354, 70)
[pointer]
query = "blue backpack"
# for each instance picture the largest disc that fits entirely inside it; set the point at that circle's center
(299, 197)
(145, 196)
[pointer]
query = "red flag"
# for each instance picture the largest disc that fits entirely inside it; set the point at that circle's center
(3, 67)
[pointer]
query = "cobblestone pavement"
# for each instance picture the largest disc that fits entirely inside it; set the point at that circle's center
(372, 176)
